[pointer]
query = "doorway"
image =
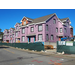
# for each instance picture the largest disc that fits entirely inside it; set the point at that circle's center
(34, 38)
(29, 40)
(7, 41)
(60, 38)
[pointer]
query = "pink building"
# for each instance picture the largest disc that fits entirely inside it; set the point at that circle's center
(48, 29)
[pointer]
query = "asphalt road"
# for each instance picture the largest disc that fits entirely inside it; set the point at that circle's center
(12, 56)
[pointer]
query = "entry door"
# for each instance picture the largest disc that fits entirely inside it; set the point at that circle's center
(34, 38)
(59, 39)
(29, 39)
(7, 41)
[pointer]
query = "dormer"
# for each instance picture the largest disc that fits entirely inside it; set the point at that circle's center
(6, 32)
(26, 20)
(66, 21)
(11, 30)
(17, 27)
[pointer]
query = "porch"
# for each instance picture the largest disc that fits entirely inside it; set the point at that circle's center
(31, 37)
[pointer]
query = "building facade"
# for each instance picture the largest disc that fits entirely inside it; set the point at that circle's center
(47, 29)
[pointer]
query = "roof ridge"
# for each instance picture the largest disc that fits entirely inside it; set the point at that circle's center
(44, 16)
(64, 18)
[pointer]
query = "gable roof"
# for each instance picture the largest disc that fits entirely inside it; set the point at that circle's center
(27, 19)
(12, 28)
(64, 19)
(41, 19)
(44, 19)
(7, 29)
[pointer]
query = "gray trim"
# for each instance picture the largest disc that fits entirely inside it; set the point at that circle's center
(31, 35)
(17, 30)
(60, 35)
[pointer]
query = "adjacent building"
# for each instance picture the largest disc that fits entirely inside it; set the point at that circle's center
(48, 29)
(1, 36)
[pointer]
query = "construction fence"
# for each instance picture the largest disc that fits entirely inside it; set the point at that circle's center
(68, 47)
(38, 46)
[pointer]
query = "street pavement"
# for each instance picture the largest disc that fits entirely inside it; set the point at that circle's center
(14, 56)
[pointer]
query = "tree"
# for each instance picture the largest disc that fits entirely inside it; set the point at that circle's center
(0, 31)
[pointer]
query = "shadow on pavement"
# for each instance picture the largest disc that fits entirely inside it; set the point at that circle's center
(3, 47)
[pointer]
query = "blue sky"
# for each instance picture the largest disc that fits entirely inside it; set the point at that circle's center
(9, 17)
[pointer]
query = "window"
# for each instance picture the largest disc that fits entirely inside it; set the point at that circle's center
(10, 31)
(56, 29)
(52, 38)
(57, 37)
(13, 35)
(67, 23)
(23, 38)
(16, 39)
(5, 32)
(16, 34)
(10, 36)
(65, 30)
(23, 30)
(7, 36)
(47, 38)
(4, 41)
(40, 37)
(4, 37)
(54, 21)
(32, 29)
(60, 30)
(13, 40)
(10, 41)
(40, 28)
(24, 22)
(17, 27)
(46, 27)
